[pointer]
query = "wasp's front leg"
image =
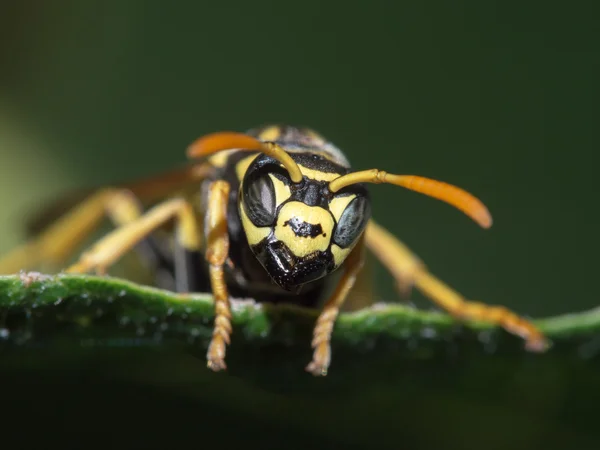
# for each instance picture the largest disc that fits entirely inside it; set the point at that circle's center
(217, 249)
(322, 332)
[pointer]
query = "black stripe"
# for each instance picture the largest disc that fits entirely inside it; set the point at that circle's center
(317, 162)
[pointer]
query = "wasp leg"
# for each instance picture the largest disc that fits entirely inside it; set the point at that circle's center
(322, 332)
(60, 240)
(66, 232)
(112, 246)
(402, 264)
(217, 250)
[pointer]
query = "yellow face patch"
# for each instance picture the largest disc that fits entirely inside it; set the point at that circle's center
(242, 166)
(339, 254)
(318, 175)
(282, 191)
(254, 234)
(304, 229)
(338, 205)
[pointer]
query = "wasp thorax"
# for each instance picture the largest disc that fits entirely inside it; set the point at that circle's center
(299, 232)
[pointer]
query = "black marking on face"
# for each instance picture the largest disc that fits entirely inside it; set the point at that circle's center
(304, 229)
(352, 222)
(309, 191)
(311, 194)
(318, 162)
(289, 271)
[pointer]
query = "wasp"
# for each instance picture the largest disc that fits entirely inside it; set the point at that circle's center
(275, 214)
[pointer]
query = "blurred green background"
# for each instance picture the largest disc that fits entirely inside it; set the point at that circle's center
(500, 98)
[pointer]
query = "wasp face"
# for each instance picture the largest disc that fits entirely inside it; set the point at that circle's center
(300, 232)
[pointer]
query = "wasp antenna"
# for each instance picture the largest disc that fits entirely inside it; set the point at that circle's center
(453, 195)
(230, 140)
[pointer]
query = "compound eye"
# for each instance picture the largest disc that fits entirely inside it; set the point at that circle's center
(352, 222)
(258, 197)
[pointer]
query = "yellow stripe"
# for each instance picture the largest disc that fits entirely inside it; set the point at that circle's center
(339, 254)
(282, 191)
(242, 166)
(270, 134)
(317, 174)
(254, 234)
(338, 205)
(220, 159)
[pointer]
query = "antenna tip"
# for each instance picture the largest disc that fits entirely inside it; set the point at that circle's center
(484, 218)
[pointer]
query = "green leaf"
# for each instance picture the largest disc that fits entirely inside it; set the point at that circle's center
(396, 371)
(38, 307)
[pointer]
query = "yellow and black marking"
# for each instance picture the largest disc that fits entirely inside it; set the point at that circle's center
(292, 227)
(269, 214)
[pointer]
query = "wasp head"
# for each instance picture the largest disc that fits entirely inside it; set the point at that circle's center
(300, 231)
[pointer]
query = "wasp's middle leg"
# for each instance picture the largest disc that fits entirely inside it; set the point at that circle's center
(60, 240)
(109, 249)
